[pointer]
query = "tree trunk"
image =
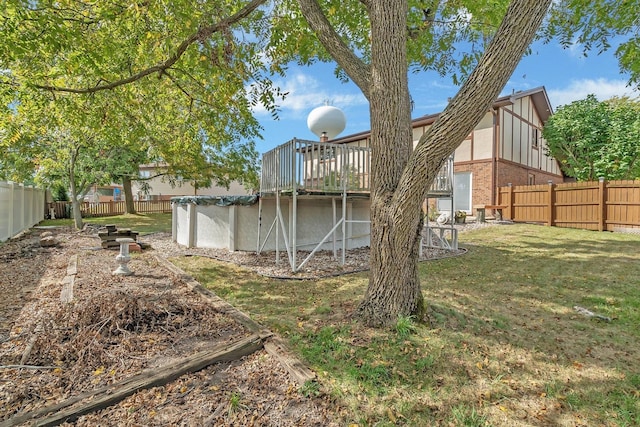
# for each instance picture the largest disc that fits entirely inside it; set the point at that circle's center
(400, 177)
(129, 206)
(77, 213)
(75, 203)
(394, 285)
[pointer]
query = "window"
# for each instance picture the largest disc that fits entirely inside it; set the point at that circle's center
(535, 135)
(532, 179)
(145, 174)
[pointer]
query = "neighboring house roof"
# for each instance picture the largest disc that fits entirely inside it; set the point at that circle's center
(538, 96)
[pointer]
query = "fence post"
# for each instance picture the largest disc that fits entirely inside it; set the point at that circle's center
(174, 222)
(509, 211)
(550, 195)
(12, 189)
(602, 208)
(18, 215)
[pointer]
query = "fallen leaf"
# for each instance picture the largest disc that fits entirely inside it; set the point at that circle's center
(392, 417)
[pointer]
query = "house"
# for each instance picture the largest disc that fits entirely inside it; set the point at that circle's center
(315, 195)
(159, 187)
(104, 193)
(506, 147)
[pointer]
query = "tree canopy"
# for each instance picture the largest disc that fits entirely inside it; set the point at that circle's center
(152, 81)
(596, 26)
(592, 139)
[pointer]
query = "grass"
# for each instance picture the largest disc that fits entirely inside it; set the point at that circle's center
(143, 223)
(503, 346)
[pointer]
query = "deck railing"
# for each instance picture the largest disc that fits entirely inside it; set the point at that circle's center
(308, 166)
(324, 167)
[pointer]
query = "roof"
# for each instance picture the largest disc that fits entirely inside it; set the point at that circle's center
(538, 97)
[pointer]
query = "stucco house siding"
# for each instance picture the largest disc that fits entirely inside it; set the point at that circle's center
(162, 188)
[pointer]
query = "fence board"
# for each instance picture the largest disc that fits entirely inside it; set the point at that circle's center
(604, 205)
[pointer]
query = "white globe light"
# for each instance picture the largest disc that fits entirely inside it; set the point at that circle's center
(326, 120)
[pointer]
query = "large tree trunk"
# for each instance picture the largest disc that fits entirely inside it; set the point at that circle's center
(129, 206)
(400, 178)
(394, 286)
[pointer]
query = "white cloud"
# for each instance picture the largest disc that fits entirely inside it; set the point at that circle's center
(444, 84)
(576, 50)
(602, 88)
(305, 92)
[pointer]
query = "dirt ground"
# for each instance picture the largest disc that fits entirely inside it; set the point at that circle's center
(118, 326)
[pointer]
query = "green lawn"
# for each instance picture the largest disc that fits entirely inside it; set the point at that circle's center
(503, 345)
(143, 223)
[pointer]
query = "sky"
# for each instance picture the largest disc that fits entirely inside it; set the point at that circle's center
(566, 74)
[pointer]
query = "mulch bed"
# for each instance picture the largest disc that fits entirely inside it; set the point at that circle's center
(116, 327)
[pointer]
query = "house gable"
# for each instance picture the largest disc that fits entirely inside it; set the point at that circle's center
(521, 118)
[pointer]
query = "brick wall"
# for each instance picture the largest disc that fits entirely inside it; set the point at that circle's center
(480, 180)
(509, 172)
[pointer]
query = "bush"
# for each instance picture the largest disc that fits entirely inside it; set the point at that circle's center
(59, 193)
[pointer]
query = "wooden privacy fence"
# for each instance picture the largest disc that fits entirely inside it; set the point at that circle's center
(64, 209)
(593, 205)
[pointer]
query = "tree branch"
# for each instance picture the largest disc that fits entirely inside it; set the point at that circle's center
(359, 72)
(518, 27)
(180, 88)
(202, 34)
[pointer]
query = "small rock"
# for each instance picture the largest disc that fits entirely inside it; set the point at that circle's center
(48, 241)
(46, 234)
